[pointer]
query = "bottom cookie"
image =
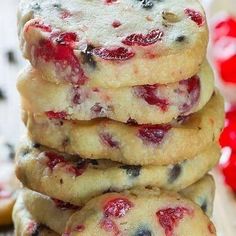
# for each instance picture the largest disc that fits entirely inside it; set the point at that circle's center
(25, 225)
(45, 210)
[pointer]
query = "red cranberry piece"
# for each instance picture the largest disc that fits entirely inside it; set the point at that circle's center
(59, 49)
(65, 205)
(32, 228)
(229, 171)
(193, 88)
(116, 54)
(195, 16)
(116, 23)
(56, 115)
(109, 140)
(224, 27)
(143, 40)
(169, 218)
(4, 193)
(54, 159)
(110, 226)
(39, 25)
(153, 133)
(211, 228)
(79, 228)
(110, 1)
(65, 14)
(149, 94)
(117, 207)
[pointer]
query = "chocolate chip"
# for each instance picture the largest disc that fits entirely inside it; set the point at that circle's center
(87, 56)
(37, 229)
(180, 38)
(11, 150)
(36, 145)
(174, 173)
(204, 206)
(131, 121)
(94, 162)
(143, 232)
(35, 6)
(2, 95)
(132, 171)
(11, 57)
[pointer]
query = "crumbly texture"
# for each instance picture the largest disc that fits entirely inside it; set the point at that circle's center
(25, 224)
(46, 210)
(8, 184)
(40, 169)
(146, 213)
(148, 104)
(113, 43)
(128, 143)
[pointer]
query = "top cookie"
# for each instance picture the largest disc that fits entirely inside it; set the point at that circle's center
(114, 43)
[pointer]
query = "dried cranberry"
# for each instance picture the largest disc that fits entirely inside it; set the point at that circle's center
(39, 25)
(116, 23)
(143, 40)
(65, 205)
(65, 14)
(153, 133)
(149, 94)
(193, 93)
(116, 54)
(58, 48)
(109, 140)
(79, 169)
(211, 228)
(110, 1)
(117, 207)
(79, 228)
(195, 16)
(109, 226)
(56, 115)
(170, 217)
(54, 159)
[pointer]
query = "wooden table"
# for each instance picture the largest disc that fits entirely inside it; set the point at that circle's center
(11, 127)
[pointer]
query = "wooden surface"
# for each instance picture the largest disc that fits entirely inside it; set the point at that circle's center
(11, 127)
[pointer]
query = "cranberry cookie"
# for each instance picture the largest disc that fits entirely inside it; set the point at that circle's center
(46, 210)
(130, 143)
(40, 168)
(8, 183)
(109, 43)
(146, 104)
(25, 225)
(140, 213)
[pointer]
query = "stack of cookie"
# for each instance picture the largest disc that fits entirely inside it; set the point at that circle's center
(122, 117)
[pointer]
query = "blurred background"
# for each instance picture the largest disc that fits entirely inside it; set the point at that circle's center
(222, 55)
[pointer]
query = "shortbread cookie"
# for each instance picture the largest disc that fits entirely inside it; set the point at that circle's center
(148, 104)
(140, 213)
(130, 143)
(25, 225)
(55, 213)
(8, 184)
(40, 168)
(113, 43)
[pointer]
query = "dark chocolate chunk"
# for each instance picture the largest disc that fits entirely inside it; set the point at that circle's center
(132, 171)
(143, 232)
(87, 56)
(180, 38)
(204, 206)
(174, 173)
(2, 95)
(11, 57)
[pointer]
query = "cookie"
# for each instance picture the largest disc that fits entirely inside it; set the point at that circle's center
(113, 43)
(143, 213)
(8, 183)
(41, 168)
(25, 225)
(130, 143)
(46, 210)
(152, 104)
